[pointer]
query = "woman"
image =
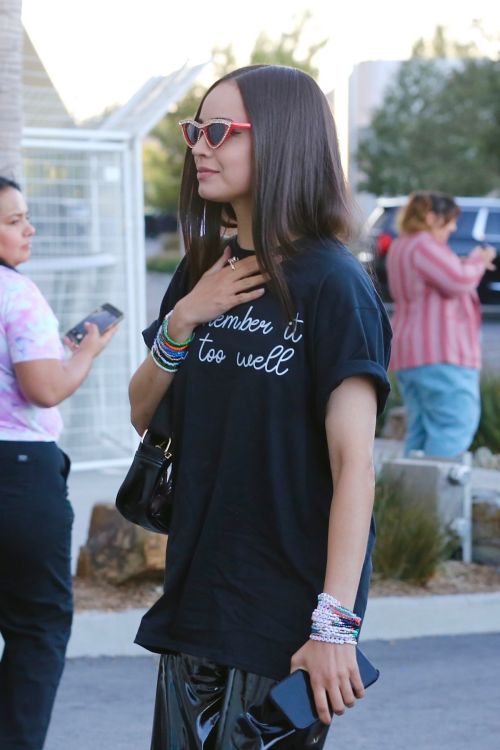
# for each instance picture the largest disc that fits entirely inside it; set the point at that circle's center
(35, 515)
(436, 324)
(274, 348)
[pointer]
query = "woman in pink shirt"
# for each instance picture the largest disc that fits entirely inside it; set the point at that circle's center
(35, 515)
(436, 347)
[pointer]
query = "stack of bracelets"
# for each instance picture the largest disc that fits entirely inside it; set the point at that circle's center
(168, 354)
(333, 623)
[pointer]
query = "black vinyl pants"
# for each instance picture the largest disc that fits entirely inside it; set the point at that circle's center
(35, 587)
(202, 705)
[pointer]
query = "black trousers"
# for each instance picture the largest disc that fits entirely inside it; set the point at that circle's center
(36, 602)
(202, 705)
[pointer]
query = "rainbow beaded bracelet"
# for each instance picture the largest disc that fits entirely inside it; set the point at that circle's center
(168, 354)
(333, 623)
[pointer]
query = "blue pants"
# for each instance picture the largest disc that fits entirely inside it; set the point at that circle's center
(35, 588)
(443, 407)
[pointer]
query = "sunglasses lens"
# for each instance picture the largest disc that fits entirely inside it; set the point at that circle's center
(216, 132)
(191, 133)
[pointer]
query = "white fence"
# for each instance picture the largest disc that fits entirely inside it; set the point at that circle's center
(88, 212)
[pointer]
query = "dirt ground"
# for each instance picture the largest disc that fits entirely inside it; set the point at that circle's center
(108, 598)
(453, 577)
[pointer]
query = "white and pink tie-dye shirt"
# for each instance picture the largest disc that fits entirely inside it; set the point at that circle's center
(28, 330)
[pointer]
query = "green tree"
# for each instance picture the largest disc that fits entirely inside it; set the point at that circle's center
(164, 150)
(438, 126)
(163, 154)
(440, 46)
(285, 50)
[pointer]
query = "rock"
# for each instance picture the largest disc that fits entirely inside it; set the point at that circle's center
(435, 484)
(117, 551)
(484, 458)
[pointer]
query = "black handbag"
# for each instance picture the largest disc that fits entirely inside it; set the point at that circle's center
(145, 496)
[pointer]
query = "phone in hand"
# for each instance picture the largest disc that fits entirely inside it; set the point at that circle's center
(294, 697)
(103, 316)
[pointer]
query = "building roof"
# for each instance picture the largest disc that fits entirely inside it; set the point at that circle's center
(42, 105)
(151, 102)
(44, 108)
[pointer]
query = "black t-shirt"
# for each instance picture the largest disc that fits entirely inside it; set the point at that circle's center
(247, 549)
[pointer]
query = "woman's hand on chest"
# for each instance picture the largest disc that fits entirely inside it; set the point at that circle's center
(220, 289)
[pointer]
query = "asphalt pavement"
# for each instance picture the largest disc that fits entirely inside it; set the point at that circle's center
(433, 694)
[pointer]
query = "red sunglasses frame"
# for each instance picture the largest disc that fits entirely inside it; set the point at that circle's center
(203, 128)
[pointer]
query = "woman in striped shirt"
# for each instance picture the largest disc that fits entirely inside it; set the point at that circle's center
(436, 347)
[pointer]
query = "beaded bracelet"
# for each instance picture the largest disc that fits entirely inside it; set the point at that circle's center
(174, 344)
(333, 623)
(168, 354)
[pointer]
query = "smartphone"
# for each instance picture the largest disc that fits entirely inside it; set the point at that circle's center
(294, 697)
(103, 316)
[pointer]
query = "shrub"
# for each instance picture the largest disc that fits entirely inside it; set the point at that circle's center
(410, 543)
(162, 263)
(488, 432)
(171, 244)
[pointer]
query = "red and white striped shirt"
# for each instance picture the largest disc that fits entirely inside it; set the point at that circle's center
(436, 317)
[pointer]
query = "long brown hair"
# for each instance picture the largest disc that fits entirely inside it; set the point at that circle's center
(299, 187)
(6, 183)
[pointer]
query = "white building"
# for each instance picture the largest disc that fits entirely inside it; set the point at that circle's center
(367, 87)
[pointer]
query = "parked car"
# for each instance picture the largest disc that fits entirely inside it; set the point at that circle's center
(479, 221)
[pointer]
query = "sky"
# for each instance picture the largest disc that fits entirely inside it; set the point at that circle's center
(99, 52)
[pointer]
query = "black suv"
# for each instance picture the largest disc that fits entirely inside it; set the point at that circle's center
(479, 221)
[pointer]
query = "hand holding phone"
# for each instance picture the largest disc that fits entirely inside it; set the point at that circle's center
(488, 254)
(103, 317)
(294, 696)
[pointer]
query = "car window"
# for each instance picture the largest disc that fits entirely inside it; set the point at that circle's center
(386, 222)
(493, 223)
(465, 223)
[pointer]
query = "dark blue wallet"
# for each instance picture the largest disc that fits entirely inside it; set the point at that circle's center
(294, 697)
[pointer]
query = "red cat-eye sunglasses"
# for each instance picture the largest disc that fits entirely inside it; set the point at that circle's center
(216, 131)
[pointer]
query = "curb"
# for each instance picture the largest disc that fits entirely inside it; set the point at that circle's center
(97, 633)
(399, 617)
